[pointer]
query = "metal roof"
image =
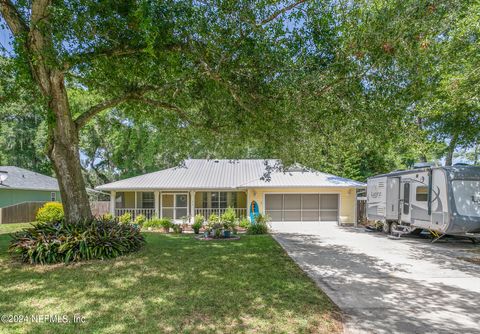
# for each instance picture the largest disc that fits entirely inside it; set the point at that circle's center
(19, 178)
(202, 174)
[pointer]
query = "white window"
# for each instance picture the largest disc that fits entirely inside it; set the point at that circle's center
(53, 196)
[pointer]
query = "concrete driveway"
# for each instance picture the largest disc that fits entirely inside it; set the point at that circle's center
(388, 286)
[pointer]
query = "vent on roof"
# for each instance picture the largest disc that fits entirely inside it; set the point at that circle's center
(216, 161)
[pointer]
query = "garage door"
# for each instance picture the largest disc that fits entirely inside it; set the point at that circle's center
(302, 207)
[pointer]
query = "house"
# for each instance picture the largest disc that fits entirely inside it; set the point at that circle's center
(18, 185)
(204, 187)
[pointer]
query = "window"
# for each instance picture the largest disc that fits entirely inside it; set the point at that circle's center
(53, 196)
(421, 194)
(406, 198)
(148, 200)
(120, 200)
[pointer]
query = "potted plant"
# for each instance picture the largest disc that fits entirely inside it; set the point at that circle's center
(214, 223)
(228, 219)
(197, 223)
(165, 223)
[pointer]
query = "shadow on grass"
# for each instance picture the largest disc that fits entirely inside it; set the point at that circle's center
(175, 284)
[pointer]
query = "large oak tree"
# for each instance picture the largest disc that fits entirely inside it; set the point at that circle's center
(205, 62)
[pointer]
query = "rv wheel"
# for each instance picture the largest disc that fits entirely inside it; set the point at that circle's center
(386, 227)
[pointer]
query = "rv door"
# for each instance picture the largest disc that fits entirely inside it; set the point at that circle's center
(405, 211)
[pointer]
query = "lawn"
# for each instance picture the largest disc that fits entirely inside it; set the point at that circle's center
(175, 284)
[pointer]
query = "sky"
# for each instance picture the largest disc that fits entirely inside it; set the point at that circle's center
(5, 36)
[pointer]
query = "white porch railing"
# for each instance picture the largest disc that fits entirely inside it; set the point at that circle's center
(149, 213)
(206, 212)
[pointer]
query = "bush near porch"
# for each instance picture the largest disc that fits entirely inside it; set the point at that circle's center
(174, 284)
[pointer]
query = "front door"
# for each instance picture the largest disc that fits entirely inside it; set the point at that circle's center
(175, 206)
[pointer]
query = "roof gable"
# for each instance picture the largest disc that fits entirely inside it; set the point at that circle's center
(20, 178)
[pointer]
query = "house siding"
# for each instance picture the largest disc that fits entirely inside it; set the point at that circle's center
(14, 196)
(347, 199)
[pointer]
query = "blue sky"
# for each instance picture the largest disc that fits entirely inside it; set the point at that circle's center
(5, 36)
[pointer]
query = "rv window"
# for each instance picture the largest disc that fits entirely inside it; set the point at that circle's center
(422, 194)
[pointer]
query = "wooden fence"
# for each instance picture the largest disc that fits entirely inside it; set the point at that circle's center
(100, 208)
(25, 212)
(20, 213)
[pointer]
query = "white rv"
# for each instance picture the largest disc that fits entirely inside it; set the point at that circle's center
(443, 200)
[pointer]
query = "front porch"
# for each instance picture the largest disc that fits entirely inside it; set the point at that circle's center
(177, 205)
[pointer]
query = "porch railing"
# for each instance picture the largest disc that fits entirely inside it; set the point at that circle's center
(206, 212)
(149, 213)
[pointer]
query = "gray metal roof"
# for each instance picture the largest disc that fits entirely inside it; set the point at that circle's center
(19, 178)
(201, 174)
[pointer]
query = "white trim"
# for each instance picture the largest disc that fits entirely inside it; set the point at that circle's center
(113, 199)
(156, 195)
(192, 206)
(339, 194)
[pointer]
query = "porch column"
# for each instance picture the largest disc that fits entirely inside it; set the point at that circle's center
(192, 206)
(248, 204)
(157, 199)
(135, 211)
(113, 195)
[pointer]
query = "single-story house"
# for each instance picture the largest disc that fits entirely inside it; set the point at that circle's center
(18, 185)
(200, 186)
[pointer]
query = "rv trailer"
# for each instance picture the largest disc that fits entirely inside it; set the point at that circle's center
(442, 200)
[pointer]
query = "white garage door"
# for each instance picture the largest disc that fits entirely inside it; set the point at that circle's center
(302, 207)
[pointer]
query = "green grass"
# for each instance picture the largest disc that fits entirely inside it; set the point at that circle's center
(176, 284)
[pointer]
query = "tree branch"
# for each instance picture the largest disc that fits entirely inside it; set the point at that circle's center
(281, 11)
(15, 22)
(86, 56)
(82, 119)
(118, 51)
(136, 95)
(163, 105)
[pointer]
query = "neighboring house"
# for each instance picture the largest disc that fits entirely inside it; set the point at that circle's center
(18, 185)
(210, 186)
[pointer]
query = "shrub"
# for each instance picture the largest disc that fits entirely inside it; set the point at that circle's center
(54, 242)
(140, 220)
(262, 219)
(213, 222)
(106, 217)
(126, 218)
(257, 228)
(153, 223)
(50, 212)
(198, 223)
(244, 223)
(228, 219)
(213, 219)
(166, 223)
(177, 228)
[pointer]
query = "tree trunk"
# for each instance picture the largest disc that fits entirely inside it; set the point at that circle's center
(451, 150)
(64, 153)
(36, 38)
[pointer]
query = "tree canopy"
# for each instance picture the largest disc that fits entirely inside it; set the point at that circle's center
(353, 88)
